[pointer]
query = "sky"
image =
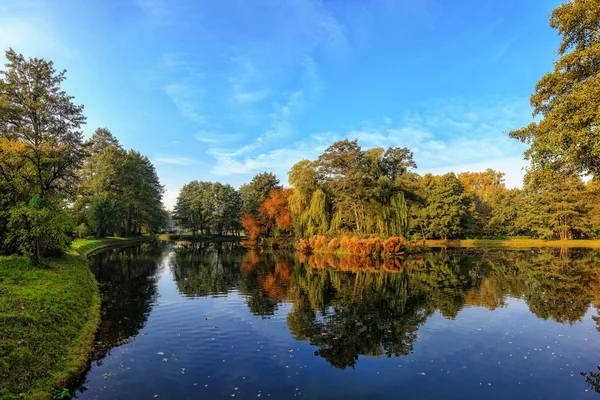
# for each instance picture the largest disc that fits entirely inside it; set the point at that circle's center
(223, 90)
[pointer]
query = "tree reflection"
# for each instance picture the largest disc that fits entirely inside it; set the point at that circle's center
(127, 279)
(352, 306)
(202, 269)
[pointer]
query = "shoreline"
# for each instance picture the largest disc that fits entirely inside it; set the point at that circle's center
(49, 314)
(513, 243)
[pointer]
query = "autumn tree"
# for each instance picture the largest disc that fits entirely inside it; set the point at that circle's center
(257, 191)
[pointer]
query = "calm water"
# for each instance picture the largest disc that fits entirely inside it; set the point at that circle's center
(218, 321)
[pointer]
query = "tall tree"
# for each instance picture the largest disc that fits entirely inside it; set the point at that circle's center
(447, 206)
(41, 151)
(46, 123)
(566, 99)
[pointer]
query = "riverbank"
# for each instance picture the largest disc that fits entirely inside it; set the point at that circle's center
(198, 238)
(514, 243)
(48, 318)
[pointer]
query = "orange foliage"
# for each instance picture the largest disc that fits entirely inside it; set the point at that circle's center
(352, 245)
(318, 242)
(254, 229)
(303, 247)
(393, 245)
(333, 245)
(275, 210)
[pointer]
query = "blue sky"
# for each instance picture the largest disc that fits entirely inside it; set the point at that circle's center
(222, 90)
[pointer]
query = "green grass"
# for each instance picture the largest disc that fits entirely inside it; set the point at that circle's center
(48, 317)
(513, 242)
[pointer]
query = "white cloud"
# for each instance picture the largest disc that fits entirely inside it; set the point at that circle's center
(186, 98)
(453, 136)
(174, 159)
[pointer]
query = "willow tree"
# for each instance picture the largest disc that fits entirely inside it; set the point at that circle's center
(566, 99)
(351, 189)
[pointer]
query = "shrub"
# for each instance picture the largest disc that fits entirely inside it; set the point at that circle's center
(303, 247)
(345, 243)
(333, 245)
(318, 242)
(82, 230)
(38, 229)
(373, 246)
(393, 245)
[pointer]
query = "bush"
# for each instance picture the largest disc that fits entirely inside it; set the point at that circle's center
(318, 242)
(393, 245)
(303, 247)
(38, 229)
(372, 246)
(333, 245)
(82, 231)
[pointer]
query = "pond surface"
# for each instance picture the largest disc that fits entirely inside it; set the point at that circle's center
(182, 321)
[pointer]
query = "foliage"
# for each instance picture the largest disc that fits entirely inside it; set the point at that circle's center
(445, 213)
(566, 99)
(350, 189)
(253, 194)
(272, 218)
(206, 207)
(38, 229)
(50, 176)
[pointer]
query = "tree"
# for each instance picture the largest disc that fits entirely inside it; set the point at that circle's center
(447, 204)
(120, 191)
(481, 186)
(205, 207)
(39, 229)
(557, 205)
(41, 152)
(38, 114)
(566, 99)
(257, 191)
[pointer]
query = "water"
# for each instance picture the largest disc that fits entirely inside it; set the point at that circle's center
(218, 321)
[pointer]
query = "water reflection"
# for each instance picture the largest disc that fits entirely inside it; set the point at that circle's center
(127, 280)
(348, 307)
(344, 308)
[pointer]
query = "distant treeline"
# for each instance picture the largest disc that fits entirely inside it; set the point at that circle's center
(53, 184)
(348, 191)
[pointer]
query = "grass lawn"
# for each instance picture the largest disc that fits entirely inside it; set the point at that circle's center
(48, 317)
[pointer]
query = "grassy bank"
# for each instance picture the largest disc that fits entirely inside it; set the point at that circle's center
(48, 317)
(514, 243)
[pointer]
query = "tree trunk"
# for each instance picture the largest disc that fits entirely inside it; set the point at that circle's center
(129, 222)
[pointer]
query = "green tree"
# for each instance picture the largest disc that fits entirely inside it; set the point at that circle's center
(41, 152)
(556, 204)
(39, 229)
(446, 210)
(256, 192)
(37, 113)
(566, 99)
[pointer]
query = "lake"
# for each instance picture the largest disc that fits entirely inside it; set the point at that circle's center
(214, 321)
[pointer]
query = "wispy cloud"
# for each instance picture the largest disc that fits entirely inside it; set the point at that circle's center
(173, 159)
(452, 135)
(215, 137)
(186, 99)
